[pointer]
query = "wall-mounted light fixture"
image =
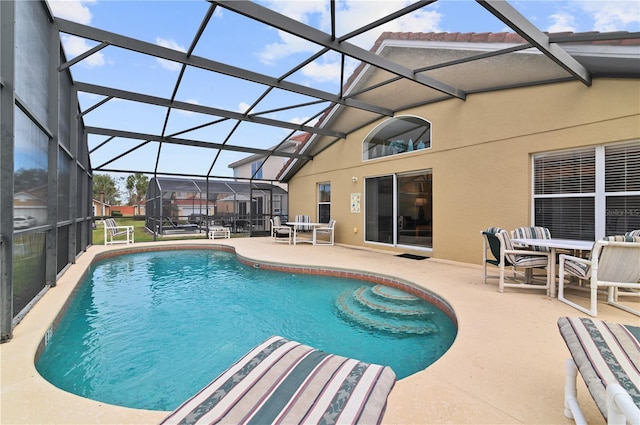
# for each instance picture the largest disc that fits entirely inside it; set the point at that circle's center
(354, 179)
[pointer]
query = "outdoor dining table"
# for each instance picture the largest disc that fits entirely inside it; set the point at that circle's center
(296, 224)
(555, 244)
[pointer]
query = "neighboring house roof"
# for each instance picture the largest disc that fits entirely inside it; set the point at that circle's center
(471, 63)
(288, 146)
(97, 201)
(304, 138)
(192, 201)
(37, 193)
(28, 197)
(236, 198)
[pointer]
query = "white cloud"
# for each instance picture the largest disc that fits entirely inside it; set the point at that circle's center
(301, 120)
(619, 15)
(170, 44)
(323, 72)
(288, 45)
(562, 22)
(77, 11)
(74, 46)
(191, 101)
(72, 10)
(353, 14)
(360, 13)
(243, 107)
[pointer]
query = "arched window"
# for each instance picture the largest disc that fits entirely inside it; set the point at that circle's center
(397, 135)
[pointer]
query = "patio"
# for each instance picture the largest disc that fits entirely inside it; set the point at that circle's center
(506, 365)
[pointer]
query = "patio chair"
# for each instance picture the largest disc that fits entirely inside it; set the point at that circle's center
(606, 356)
(534, 232)
(303, 219)
(614, 263)
(219, 231)
(113, 233)
(324, 230)
(498, 243)
(531, 232)
(176, 225)
(280, 232)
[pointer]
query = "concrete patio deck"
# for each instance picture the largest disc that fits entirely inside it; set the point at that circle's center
(505, 367)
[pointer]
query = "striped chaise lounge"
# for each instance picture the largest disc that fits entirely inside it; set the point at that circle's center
(607, 355)
(282, 381)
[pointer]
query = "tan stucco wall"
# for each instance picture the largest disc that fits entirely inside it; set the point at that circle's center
(480, 158)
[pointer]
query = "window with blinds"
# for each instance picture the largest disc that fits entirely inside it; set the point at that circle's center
(622, 188)
(564, 193)
(588, 193)
(565, 173)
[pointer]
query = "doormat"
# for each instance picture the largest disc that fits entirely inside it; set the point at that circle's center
(412, 256)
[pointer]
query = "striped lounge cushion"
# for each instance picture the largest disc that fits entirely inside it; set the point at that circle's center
(282, 381)
(605, 353)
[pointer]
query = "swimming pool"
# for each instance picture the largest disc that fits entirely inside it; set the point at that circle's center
(147, 330)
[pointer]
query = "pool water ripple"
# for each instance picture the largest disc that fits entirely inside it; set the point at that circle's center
(148, 330)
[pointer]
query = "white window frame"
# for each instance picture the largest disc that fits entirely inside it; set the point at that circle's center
(403, 146)
(320, 184)
(257, 166)
(395, 243)
(600, 195)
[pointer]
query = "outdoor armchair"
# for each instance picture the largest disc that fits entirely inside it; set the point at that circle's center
(533, 232)
(498, 243)
(280, 232)
(324, 230)
(301, 218)
(114, 234)
(614, 263)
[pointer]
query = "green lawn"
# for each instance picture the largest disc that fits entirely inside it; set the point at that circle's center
(141, 234)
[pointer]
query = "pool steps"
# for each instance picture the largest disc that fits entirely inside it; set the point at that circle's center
(387, 309)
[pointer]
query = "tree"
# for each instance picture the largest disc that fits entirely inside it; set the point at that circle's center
(105, 188)
(137, 186)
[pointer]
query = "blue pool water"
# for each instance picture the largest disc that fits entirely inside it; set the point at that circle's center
(148, 330)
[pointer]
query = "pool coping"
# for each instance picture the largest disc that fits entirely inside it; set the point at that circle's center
(481, 379)
(373, 278)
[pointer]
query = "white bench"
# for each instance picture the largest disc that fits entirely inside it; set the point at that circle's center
(221, 232)
(113, 231)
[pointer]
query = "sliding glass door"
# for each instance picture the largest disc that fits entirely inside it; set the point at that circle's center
(379, 209)
(414, 210)
(398, 209)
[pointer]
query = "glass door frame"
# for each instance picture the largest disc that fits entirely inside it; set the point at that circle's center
(396, 213)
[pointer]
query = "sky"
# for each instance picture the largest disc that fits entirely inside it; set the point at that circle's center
(238, 41)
